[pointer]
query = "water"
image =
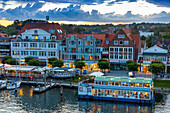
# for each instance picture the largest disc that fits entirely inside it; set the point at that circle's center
(25, 101)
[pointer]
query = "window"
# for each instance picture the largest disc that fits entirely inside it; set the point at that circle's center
(126, 42)
(24, 44)
(123, 36)
(16, 44)
(35, 31)
(116, 56)
(125, 49)
(125, 56)
(51, 45)
(120, 49)
(111, 49)
(16, 52)
(115, 42)
(42, 53)
(130, 56)
(79, 42)
(111, 56)
(119, 36)
(107, 41)
(116, 49)
(120, 42)
(26, 37)
(130, 50)
(51, 53)
(91, 43)
(24, 52)
(42, 45)
(120, 56)
(33, 53)
(87, 42)
(33, 44)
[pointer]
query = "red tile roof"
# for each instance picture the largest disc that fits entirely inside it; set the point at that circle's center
(136, 39)
(3, 35)
(44, 26)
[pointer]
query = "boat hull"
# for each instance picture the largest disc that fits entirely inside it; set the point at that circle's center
(116, 99)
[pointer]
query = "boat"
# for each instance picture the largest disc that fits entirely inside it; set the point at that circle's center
(13, 84)
(125, 89)
(3, 84)
(40, 89)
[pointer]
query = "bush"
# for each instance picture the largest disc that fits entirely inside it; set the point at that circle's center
(34, 62)
(5, 58)
(57, 63)
(27, 59)
(12, 61)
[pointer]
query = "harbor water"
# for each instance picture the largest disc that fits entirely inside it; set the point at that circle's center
(51, 101)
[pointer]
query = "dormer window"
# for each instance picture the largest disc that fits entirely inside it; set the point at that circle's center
(107, 41)
(121, 36)
(35, 31)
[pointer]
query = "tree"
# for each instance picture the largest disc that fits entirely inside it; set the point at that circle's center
(103, 65)
(79, 29)
(132, 66)
(79, 64)
(143, 37)
(129, 61)
(34, 62)
(5, 58)
(12, 61)
(50, 60)
(157, 67)
(27, 59)
(135, 30)
(57, 63)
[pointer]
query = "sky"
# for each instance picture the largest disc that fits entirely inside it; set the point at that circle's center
(86, 11)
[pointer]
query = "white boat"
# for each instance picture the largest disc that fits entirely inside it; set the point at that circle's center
(3, 84)
(12, 84)
(40, 89)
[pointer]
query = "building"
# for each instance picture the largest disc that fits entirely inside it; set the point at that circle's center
(87, 47)
(38, 40)
(5, 46)
(123, 47)
(3, 35)
(146, 34)
(154, 53)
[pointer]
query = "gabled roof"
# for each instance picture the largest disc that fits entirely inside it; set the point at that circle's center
(155, 49)
(3, 34)
(44, 26)
(136, 39)
(164, 42)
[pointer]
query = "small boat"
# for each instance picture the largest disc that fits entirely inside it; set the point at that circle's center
(3, 84)
(12, 85)
(40, 89)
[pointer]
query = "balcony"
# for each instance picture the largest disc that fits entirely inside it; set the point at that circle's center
(33, 40)
(5, 43)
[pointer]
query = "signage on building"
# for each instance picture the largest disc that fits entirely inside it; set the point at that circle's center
(121, 61)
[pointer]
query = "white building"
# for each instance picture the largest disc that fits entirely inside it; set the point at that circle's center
(38, 40)
(146, 34)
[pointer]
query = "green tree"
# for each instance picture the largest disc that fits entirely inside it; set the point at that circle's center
(149, 40)
(129, 61)
(79, 29)
(156, 68)
(143, 37)
(57, 63)
(12, 61)
(135, 30)
(27, 59)
(34, 62)
(79, 64)
(132, 66)
(103, 65)
(50, 60)
(5, 58)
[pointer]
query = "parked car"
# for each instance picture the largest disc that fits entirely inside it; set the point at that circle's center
(84, 71)
(77, 72)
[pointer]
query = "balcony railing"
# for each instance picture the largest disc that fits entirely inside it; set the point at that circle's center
(33, 40)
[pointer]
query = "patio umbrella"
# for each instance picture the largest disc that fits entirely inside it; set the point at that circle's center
(46, 68)
(38, 69)
(97, 74)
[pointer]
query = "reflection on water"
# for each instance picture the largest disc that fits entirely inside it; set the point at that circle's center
(25, 101)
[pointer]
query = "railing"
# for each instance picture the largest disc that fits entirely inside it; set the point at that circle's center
(33, 40)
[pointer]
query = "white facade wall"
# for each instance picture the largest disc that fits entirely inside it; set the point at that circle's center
(146, 34)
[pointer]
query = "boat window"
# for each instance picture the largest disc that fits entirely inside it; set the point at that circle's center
(135, 93)
(140, 85)
(137, 85)
(121, 93)
(127, 93)
(103, 83)
(146, 95)
(130, 93)
(89, 89)
(108, 92)
(95, 91)
(152, 85)
(117, 93)
(100, 92)
(113, 83)
(99, 82)
(96, 82)
(106, 83)
(105, 92)
(124, 92)
(113, 93)
(132, 84)
(141, 95)
(110, 83)
(146, 85)
(124, 84)
(118, 83)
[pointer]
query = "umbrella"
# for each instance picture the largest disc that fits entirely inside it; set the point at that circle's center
(55, 68)
(97, 74)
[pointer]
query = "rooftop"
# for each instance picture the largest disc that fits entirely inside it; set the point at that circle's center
(124, 79)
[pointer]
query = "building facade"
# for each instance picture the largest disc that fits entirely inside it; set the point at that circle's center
(123, 47)
(5, 46)
(38, 40)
